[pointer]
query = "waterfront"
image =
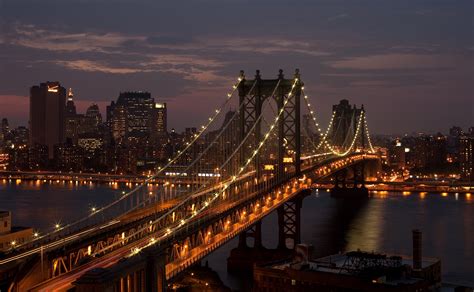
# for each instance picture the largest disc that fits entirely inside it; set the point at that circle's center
(382, 223)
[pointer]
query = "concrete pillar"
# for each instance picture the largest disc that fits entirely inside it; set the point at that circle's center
(258, 235)
(155, 273)
(243, 239)
(281, 232)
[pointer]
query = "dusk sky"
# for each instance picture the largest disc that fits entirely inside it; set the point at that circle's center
(411, 63)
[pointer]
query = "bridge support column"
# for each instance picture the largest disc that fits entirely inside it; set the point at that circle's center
(155, 273)
(254, 232)
(289, 223)
(358, 189)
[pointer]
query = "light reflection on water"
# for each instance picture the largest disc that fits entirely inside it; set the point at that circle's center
(382, 223)
(41, 205)
(365, 231)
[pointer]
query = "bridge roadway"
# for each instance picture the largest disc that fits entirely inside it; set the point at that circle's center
(46, 244)
(291, 187)
(82, 178)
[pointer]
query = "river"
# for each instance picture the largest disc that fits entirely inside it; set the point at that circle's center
(382, 223)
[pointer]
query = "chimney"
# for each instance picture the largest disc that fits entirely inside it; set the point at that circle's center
(417, 249)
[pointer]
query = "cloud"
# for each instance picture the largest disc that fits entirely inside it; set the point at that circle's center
(194, 59)
(92, 66)
(337, 17)
(262, 45)
(394, 61)
(31, 36)
(189, 67)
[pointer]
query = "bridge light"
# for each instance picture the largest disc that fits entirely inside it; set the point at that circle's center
(57, 225)
(36, 234)
(13, 243)
(93, 209)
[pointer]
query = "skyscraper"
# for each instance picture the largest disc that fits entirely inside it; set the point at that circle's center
(71, 118)
(70, 106)
(47, 115)
(4, 131)
(159, 125)
(132, 115)
(93, 113)
(466, 157)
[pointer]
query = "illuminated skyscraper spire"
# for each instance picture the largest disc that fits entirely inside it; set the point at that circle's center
(70, 107)
(70, 95)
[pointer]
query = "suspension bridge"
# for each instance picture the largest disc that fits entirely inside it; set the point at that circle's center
(251, 157)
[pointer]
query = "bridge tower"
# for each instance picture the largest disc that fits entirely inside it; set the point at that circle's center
(252, 95)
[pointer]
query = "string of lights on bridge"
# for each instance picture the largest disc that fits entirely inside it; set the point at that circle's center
(324, 136)
(171, 230)
(226, 185)
(94, 210)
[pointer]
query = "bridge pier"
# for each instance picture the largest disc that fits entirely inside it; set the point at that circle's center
(155, 273)
(242, 258)
(350, 188)
(254, 232)
(289, 223)
(144, 272)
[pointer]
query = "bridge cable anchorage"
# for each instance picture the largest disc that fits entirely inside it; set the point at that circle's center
(172, 228)
(56, 232)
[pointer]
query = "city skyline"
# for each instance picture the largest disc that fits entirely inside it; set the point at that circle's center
(422, 58)
(83, 105)
(236, 145)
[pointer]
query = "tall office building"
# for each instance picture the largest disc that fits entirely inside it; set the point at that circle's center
(93, 113)
(159, 127)
(47, 115)
(4, 131)
(466, 157)
(118, 122)
(72, 119)
(135, 114)
(70, 106)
